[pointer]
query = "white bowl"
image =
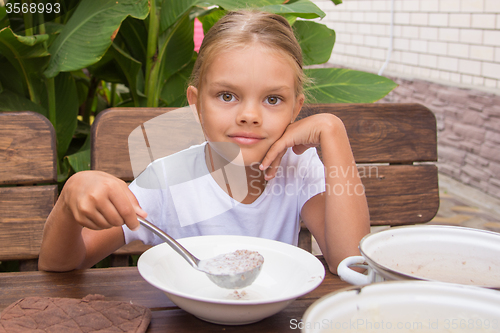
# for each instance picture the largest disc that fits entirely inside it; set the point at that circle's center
(287, 273)
(404, 307)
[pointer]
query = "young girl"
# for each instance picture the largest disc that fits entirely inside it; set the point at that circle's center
(247, 89)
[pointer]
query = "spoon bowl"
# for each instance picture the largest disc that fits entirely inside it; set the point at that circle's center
(236, 278)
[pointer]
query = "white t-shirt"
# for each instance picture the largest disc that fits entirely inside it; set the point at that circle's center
(182, 198)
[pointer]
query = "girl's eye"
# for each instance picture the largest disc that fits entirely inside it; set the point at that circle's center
(273, 100)
(226, 97)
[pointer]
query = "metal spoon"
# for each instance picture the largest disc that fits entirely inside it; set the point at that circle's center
(228, 281)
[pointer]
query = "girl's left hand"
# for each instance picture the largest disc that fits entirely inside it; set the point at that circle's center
(300, 135)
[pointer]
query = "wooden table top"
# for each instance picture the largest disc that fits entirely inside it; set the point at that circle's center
(126, 284)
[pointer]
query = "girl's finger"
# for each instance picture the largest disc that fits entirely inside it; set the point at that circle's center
(270, 172)
(124, 204)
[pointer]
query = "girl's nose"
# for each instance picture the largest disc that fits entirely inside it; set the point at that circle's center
(249, 114)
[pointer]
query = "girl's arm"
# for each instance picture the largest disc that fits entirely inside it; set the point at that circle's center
(337, 218)
(85, 224)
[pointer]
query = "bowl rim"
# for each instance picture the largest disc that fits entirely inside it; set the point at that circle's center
(314, 279)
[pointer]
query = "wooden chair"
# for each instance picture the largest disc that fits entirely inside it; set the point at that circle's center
(27, 158)
(389, 142)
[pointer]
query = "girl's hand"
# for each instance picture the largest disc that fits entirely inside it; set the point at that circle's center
(300, 135)
(98, 200)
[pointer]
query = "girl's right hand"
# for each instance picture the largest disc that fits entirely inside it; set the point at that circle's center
(98, 200)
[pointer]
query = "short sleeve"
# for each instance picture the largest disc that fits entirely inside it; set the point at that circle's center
(312, 173)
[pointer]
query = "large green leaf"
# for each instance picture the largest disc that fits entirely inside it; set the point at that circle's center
(28, 56)
(209, 19)
(301, 8)
(338, 85)
(130, 68)
(134, 35)
(174, 90)
(173, 10)
(12, 102)
(90, 31)
(66, 111)
(316, 41)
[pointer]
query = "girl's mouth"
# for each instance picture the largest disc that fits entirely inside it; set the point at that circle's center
(245, 138)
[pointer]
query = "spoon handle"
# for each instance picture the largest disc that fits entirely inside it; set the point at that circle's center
(192, 260)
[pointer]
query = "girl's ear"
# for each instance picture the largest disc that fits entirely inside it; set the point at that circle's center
(192, 95)
(298, 106)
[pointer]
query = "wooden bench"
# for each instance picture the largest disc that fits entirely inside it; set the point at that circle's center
(27, 170)
(394, 146)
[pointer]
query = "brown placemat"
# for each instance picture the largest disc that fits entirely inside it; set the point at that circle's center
(90, 314)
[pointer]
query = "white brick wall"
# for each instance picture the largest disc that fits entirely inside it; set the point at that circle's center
(457, 41)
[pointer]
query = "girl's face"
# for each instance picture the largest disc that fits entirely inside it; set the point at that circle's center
(247, 97)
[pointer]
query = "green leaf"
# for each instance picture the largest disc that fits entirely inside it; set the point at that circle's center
(90, 31)
(28, 56)
(173, 10)
(338, 85)
(316, 41)
(80, 161)
(134, 35)
(209, 19)
(4, 19)
(174, 91)
(11, 79)
(12, 102)
(242, 4)
(337, 2)
(130, 68)
(176, 47)
(301, 8)
(66, 111)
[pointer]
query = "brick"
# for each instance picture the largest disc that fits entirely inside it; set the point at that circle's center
(451, 154)
(474, 118)
(419, 18)
(476, 160)
(497, 54)
(410, 5)
(469, 132)
(484, 21)
(438, 20)
(380, 5)
(490, 83)
(455, 77)
(428, 33)
(458, 50)
(492, 37)
(460, 20)
(449, 34)
(371, 17)
(472, 36)
(409, 58)
(429, 6)
(467, 79)
(482, 52)
(449, 170)
(410, 32)
(490, 152)
(491, 70)
(477, 80)
(427, 60)
(469, 67)
(472, 147)
(447, 63)
(449, 5)
(475, 173)
(401, 18)
(472, 5)
(494, 168)
(418, 45)
(492, 6)
(493, 136)
(492, 111)
(439, 48)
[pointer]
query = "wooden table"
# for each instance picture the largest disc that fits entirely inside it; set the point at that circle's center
(126, 284)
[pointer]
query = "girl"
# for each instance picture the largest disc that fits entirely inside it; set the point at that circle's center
(247, 88)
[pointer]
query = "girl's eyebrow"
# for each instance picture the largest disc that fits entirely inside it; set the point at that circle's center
(230, 86)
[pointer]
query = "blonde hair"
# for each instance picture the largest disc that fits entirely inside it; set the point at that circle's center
(244, 27)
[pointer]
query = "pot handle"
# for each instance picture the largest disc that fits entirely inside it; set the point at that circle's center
(351, 276)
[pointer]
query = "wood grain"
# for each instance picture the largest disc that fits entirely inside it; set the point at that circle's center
(27, 149)
(126, 284)
(24, 211)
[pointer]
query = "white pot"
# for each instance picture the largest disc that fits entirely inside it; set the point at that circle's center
(435, 253)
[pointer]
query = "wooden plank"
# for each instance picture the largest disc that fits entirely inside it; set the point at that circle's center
(401, 194)
(24, 211)
(385, 133)
(27, 149)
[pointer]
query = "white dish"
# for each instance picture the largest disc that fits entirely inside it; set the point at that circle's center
(287, 273)
(404, 307)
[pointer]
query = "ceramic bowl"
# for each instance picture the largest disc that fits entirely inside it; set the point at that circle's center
(287, 273)
(404, 307)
